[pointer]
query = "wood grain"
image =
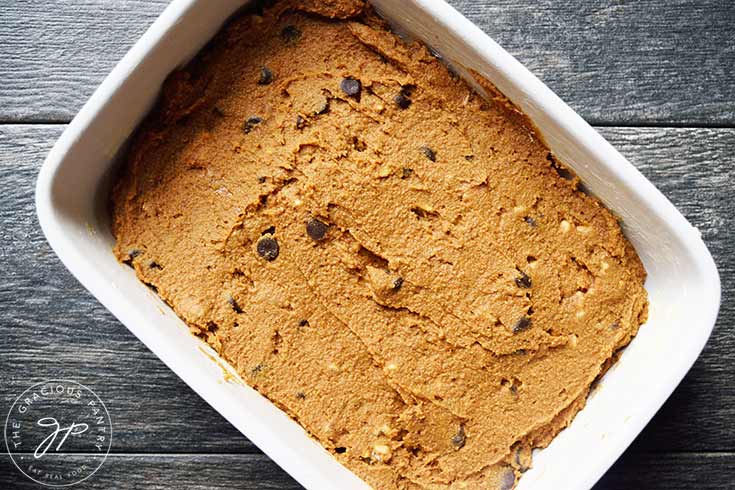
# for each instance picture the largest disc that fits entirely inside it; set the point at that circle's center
(690, 471)
(655, 62)
(164, 472)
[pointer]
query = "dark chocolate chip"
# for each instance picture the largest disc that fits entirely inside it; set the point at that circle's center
(564, 173)
(266, 76)
(268, 248)
(406, 172)
(271, 230)
(134, 253)
(522, 324)
(407, 90)
(459, 439)
(231, 301)
(581, 187)
(428, 153)
(530, 221)
(290, 33)
(300, 122)
(260, 5)
(508, 480)
(351, 87)
(523, 281)
(257, 369)
(251, 123)
(514, 388)
(303, 323)
(469, 158)
(155, 265)
(340, 450)
(397, 283)
(316, 229)
(261, 180)
(301, 395)
(402, 101)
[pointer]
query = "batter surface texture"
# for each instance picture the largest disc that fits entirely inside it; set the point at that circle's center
(398, 263)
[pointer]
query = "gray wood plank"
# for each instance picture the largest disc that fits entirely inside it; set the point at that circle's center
(163, 472)
(695, 169)
(256, 472)
(52, 327)
(688, 471)
(654, 62)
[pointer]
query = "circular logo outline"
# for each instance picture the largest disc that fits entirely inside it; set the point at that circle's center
(15, 402)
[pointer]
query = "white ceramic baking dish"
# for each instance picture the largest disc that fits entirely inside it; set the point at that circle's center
(682, 280)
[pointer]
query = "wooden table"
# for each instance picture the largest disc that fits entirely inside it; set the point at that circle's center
(657, 78)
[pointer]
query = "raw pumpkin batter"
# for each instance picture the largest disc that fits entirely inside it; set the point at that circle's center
(396, 262)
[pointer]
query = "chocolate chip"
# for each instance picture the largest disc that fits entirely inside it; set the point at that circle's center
(428, 153)
(257, 369)
(131, 256)
(251, 123)
(271, 230)
(155, 265)
(268, 248)
(316, 229)
(407, 90)
(260, 5)
(522, 324)
(523, 281)
(469, 158)
(231, 301)
(402, 101)
(351, 87)
(563, 172)
(581, 187)
(397, 283)
(406, 172)
(290, 33)
(266, 76)
(340, 450)
(300, 122)
(508, 480)
(303, 323)
(459, 439)
(531, 222)
(261, 179)
(301, 395)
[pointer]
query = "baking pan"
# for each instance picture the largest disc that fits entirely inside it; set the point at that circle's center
(683, 284)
